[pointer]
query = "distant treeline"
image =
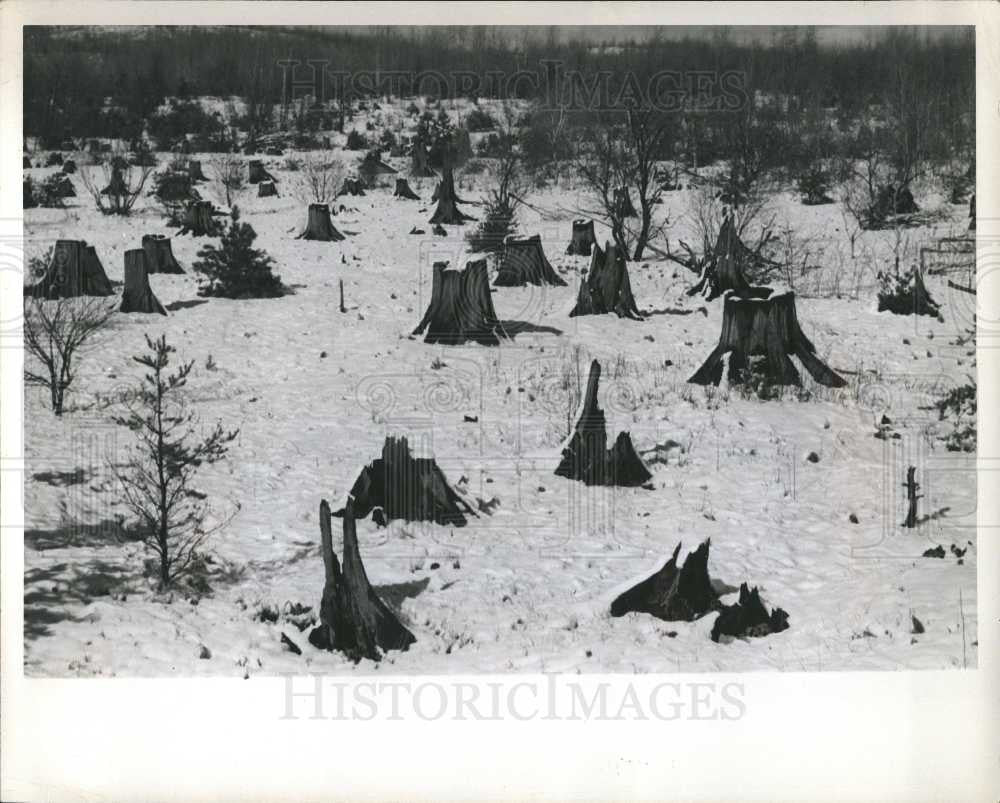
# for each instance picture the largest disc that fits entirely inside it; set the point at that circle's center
(71, 73)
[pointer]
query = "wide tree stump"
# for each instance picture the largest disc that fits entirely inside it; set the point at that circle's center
(607, 287)
(524, 263)
(194, 171)
(320, 226)
(199, 220)
(623, 203)
(447, 200)
(258, 173)
(748, 618)
(352, 186)
(266, 189)
(583, 239)
(461, 307)
(767, 329)
(353, 620)
(74, 270)
(159, 254)
(403, 190)
(586, 457)
(673, 594)
(138, 295)
(399, 486)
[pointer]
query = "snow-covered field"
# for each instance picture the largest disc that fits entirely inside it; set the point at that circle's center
(526, 586)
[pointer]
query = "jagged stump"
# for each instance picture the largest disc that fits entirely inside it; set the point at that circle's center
(447, 199)
(673, 594)
(748, 618)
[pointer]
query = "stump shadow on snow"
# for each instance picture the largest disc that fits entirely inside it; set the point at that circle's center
(526, 328)
(51, 592)
(61, 479)
(105, 533)
(669, 311)
(173, 306)
(395, 594)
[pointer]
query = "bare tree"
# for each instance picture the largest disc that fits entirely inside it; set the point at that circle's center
(56, 333)
(116, 184)
(228, 179)
(321, 177)
(157, 477)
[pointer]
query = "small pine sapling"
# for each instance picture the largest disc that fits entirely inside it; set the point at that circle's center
(235, 269)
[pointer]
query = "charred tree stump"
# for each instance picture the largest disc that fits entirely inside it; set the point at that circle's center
(159, 254)
(672, 594)
(75, 270)
(194, 171)
(768, 329)
(138, 295)
(583, 238)
(403, 190)
(447, 210)
(586, 456)
(117, 188)
(353, 620)
(461, 307)
(199, 220)
(258, 173)
(352, 186)
(399, 486)
(909, 296)
(748, 618)
(524, 263)
(266, 189)
(723, 269)
(623, 203)
(320, 226)
(607, 287)
(912, 486)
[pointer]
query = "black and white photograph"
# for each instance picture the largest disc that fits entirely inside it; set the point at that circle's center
(368, 350)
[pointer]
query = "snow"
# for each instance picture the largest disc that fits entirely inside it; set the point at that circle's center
(525, 587)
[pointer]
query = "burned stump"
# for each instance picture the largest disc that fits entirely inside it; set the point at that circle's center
(138, 295)
(447, 210)
(524, 263)
(353, 620)
(266, 189)
(908, 296)
(75, 270)
(403, 190)
(258, 173)
(199, 220)
(761, 333)
(586, 457)
(673, 594)
(912, 486)
(606, 287)
(724, 268)
(461, 307)
(748, 618)
(399, 486)
(623, 203)
(582, 239)
(352, 186)
(159, 254)
(117, 188)
(319, 225)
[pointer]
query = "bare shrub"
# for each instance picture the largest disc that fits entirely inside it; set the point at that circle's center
(320, 179)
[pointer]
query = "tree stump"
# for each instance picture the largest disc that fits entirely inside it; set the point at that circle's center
(117, 188)
(420, 163)
(623, 203)
(399, 486)
(69, 166)
(199, 220)
(258, 173)
(583, 238)
(766, 328)
(447, 210)
(159, 254)
(524, 263)
(352, 186)
(26, 163)
(353, 620)
(75, 270)
(748, 618)
(723, 269)
(138, 295)
(586, 456)
(912, 486)
(194, 171)
(672, 594)
(461, 307)
(266, 189)
(606, 287)
(972, 212)
(64, 188)
(320, 226)
(403, 190)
